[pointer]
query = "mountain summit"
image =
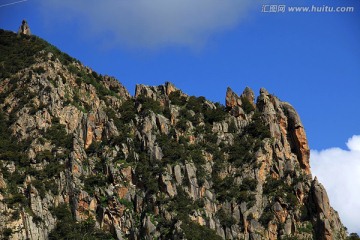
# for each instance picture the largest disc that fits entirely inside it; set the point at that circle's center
(81, 158)
(24, 28)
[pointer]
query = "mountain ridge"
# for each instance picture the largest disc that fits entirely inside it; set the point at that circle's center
(92, 159)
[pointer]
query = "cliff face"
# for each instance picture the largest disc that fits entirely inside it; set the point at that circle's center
(79, 155)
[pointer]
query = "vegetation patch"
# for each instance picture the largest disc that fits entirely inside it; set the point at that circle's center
(68, 228)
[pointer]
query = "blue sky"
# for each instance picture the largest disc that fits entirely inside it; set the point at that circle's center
(311, 60)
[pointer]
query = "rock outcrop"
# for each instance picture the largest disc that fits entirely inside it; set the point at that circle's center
(81, 156)
(24, 28)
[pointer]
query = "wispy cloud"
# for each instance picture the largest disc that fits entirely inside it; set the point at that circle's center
(339, 171)
(152, 23)
(12, 3)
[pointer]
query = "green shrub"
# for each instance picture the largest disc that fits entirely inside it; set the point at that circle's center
(242, 151)
(226, 220)
(51, 170)
(291, 199)
(353, 236)
(128, 204)
(173, 151)
(74, 70)
(182, 124)
(246, 105)
(39, 185)
(52, 186)
(62, 212)
(15, 215)
(266, 216)
(248, 142)
(68, 228)
(94, 148)
(16, 199)
(44, 155)
(257, 128)
(39, 70)
(195, 153)
(177, 99)
(58, 136)
(245, 196)
(215, 115)
(10, 148)
(279, 188)
(7, 232)
(248, 184)
(271, 185)
(194, 231)
(210, 137)
(304, 213)
(307, 228)
(148, 173)
(195, 104)
(16, 177)
(37, 220)
(93, 181)
(290, 238)
(149, 104)
(182, 204)
(225, 189)
(232, 127)
(127, 111)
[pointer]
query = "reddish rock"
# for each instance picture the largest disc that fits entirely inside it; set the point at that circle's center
(122, 191)
(232, 99)
(302, 148)
(170, 88)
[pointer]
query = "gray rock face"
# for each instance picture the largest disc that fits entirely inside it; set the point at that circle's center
(158, 93)
(249, 95)
(324, 213)
(321, 198)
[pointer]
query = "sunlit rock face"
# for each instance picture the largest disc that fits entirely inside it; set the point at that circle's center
(80, 156)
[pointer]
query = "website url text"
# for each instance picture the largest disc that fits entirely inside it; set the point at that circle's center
(309, 9)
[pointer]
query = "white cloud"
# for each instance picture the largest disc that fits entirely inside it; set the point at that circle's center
(152, 23)
(339, 171)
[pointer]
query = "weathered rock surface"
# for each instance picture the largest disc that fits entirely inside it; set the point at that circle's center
(24, 28)
(159, 165)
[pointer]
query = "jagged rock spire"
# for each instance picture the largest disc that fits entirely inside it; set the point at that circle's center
(24, 28)
(235, 102)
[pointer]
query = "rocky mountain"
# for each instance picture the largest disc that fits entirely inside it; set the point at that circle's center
(80, 158)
